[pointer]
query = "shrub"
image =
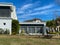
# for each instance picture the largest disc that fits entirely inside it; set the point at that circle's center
(48, 36)
(52, 33)
(1, 31)
(6, 32)
(14, 33)
(15, 27)
(22, 32)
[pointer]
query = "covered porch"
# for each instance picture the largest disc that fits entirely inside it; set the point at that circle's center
(32, 29)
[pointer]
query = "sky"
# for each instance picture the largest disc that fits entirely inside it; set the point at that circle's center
(30, 9)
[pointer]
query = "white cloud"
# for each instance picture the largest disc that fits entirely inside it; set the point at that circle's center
(26, 6)
(41, 12)
(44, 7)
(33, 14)
(23, 8)
(44, 12)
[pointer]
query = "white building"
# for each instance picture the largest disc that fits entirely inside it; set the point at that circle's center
(7, 13)
(33, 27)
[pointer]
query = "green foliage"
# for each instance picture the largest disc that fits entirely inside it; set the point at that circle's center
(1, 31)
(48, 36)
(59, 28)
(15, 26)
(51, 23)
(57, 21)
(7, 31)
(52, 33)
(4, 32)
(22, 33)
(14, 33)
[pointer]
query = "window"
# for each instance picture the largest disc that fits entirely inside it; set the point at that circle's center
(4, 23)
(5, 11)
(31, 29)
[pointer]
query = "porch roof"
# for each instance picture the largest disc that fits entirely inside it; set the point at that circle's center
(33, 23)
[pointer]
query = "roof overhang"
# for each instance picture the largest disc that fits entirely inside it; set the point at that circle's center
(32, 23)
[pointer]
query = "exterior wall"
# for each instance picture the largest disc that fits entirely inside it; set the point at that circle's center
(8, 20)
(8, 24)
(13, 13)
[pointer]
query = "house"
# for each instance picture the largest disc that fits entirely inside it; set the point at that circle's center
(33, 27)
(7, 13)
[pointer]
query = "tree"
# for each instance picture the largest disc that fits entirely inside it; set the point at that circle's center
(15, 26)
(57, 21)
(51, 23)
(54, 23)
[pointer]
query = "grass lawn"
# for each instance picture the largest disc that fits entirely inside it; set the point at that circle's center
(26, 40)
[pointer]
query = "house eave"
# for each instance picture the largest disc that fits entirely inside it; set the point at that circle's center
(33, 23)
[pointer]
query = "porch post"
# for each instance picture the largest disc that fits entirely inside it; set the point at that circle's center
(44, 30)
(10, 32)
(19, 30)
(35, 29)
(27, 29)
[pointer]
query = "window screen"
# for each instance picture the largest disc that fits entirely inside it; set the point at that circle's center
(5, 11)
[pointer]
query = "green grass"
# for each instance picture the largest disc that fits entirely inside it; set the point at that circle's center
(26, 40)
